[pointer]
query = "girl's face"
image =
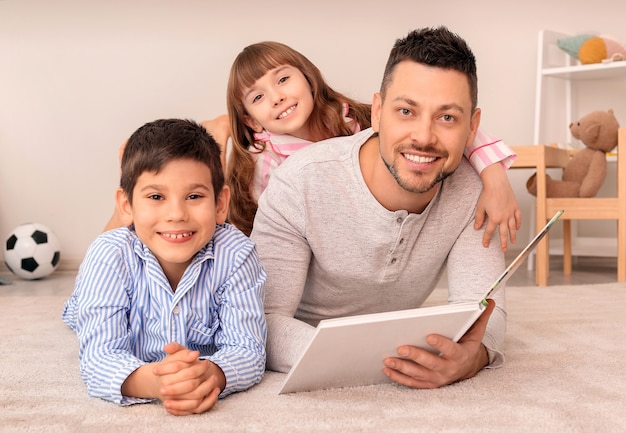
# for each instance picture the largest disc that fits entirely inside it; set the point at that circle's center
(280, 102)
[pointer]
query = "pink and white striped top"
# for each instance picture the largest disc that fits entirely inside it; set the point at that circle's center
(487, 150)
(277, 148)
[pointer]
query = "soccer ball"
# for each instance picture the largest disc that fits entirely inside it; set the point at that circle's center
(32, 251)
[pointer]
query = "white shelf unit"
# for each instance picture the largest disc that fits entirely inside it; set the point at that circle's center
(557, 70)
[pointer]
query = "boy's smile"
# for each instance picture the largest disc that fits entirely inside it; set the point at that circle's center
(177, 237)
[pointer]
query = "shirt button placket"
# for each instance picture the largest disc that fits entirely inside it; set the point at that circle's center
(175, 317)
(393, 260)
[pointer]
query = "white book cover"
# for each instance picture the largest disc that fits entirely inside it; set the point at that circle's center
(349, 351)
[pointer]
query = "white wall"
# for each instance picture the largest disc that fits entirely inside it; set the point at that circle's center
(78, 77)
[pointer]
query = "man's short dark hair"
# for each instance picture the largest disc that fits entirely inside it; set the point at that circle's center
(437, 47)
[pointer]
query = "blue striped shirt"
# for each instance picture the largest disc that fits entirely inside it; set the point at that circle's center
(124, 310)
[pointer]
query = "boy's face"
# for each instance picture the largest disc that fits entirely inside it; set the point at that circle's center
(175, 212)
(424, 124)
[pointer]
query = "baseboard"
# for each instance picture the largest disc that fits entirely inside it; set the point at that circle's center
(65, 265)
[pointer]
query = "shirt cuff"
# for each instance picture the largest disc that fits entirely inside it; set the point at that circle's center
(483, 154)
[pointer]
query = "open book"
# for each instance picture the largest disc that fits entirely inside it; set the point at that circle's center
(349, 351)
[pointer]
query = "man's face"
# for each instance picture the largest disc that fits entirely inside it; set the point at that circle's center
(424, 124)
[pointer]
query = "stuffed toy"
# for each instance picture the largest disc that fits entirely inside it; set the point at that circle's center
(590, 48)
(585, 172)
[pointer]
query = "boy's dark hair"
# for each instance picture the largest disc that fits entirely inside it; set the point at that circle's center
(156, 143)
(437, 47)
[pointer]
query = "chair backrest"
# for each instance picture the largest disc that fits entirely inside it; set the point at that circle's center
(612, 208)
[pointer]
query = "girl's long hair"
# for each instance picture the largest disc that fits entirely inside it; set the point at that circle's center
(326, 120)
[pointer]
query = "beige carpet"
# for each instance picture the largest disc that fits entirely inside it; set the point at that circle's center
(565, 372)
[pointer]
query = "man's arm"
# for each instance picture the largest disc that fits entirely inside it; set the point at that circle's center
(283, 249)
(471, 270)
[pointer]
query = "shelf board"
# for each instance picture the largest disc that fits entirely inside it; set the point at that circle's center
(588, 72)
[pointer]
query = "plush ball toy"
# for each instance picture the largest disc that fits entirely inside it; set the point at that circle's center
(584, 174)
(589, 48)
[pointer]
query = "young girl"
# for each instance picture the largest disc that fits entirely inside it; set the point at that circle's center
(278, 102)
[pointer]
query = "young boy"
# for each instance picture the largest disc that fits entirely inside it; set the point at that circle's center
(170, 307)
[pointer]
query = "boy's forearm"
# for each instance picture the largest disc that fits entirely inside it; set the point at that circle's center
(142, 383)
(215, 370)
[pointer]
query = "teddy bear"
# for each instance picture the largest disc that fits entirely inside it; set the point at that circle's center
(585, 172)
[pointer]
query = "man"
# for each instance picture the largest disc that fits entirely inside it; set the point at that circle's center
(368, 223)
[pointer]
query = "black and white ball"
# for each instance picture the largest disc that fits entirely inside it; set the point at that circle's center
(32, 251)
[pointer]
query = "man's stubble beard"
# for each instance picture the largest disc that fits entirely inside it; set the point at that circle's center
(417, 190)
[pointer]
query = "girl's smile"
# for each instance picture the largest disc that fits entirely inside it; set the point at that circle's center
(287, 112)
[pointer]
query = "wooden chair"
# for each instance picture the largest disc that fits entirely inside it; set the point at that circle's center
(596, 208)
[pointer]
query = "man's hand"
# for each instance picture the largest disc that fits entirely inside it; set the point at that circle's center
(419, 368)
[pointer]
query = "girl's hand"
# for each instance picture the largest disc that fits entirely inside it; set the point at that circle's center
(219, 128)
(497, 204)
